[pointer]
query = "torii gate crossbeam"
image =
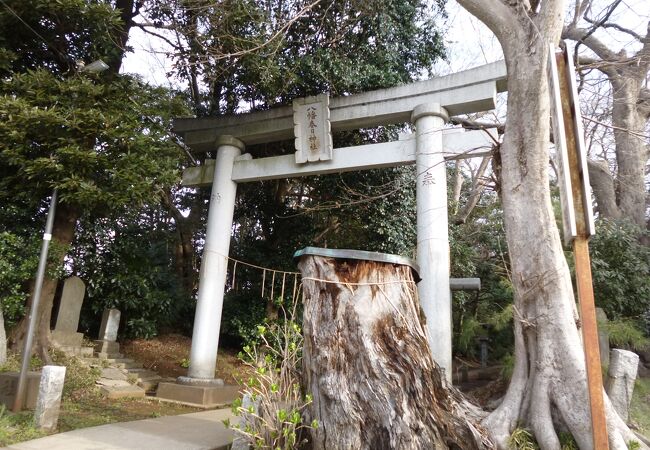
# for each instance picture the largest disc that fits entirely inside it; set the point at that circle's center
(427, 104)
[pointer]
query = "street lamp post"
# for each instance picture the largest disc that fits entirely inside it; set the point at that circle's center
(36, 299)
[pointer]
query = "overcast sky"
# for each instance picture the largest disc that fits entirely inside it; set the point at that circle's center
(469, 43)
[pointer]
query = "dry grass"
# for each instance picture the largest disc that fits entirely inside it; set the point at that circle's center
(169, 356)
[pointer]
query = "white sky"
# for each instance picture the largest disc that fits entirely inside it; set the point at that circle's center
(469, 42)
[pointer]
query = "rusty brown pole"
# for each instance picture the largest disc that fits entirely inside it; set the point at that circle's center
(582, 260)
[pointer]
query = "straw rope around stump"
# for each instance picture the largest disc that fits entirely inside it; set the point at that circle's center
(368, 366)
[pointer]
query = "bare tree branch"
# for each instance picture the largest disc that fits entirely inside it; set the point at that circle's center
(613, 127)
(496, 15)
(583, 35)
(478, 186)
(617, 27)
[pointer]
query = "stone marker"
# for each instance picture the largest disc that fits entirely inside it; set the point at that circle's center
(48, 404)
(106, 346)
(240, 442)
(603, 336)
(110, 325)
(620, 380)
(483, 340)
(71, 299)
(67, 321)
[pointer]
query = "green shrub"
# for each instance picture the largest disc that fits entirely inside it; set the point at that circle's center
(626, 334)
(14, 361)
(508, 366)
(621, 270)
(277, 419)
(633, 445)
(80, 379)
(133, 272)
(18, 263)
(17, 427)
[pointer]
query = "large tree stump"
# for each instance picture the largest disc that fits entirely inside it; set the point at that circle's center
(368, 365)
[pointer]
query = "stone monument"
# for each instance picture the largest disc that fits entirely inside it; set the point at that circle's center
(106, 346)
(65, 334)
(603, 336)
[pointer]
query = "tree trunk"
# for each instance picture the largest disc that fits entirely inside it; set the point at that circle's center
(631, 150)
(549, 366)
(548, 389)
(368, 365)
(63, 230)
(127, 10)
(602, 184)
(184, 252)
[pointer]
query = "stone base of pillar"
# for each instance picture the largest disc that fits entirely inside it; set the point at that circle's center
(9, 383)
(199, 396)
(201, 382)
(67, 338)
(107, 349)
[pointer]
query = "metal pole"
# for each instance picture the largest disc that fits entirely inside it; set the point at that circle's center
(582, 261)
(590, 341)
(33, 311)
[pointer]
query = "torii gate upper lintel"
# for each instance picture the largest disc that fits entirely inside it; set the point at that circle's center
(427, 104)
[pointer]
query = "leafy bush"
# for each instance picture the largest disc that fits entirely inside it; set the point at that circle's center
(621, 270)
(273, 406)
(130, 270)
(626, 334)
(15, 269)
(80, 379)
(18, 263)
(242, 312)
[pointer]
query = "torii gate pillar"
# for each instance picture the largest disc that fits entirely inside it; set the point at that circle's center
(214, 264)
(432, 230)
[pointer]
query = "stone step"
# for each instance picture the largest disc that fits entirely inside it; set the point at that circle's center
(149, 385)
(92, 361)
(144, 374)
(118, 360)
(87, 352)
(113, 373)
(124, 363)
(109, 355)
(78, 351)
(122, 391)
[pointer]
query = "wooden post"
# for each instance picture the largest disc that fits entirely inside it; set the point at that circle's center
(584, 228)
(367, 363)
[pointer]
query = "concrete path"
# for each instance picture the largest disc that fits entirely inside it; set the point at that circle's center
(202, 430)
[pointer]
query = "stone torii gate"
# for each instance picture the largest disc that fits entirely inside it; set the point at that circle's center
(426, 104)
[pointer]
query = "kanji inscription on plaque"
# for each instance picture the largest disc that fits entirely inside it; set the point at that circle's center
(311, 118)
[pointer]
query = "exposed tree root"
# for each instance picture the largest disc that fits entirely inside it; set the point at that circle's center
(548, 393)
